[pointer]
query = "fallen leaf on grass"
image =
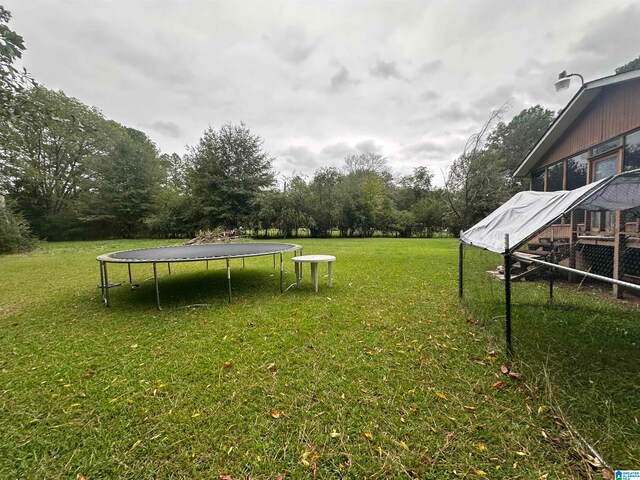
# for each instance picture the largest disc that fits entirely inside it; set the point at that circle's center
(404, 445)
(135, 345)
(227, 365)
(504, 369)
(469, 408)
(335, 434)
(135, 445)
(481, 447)
(441, 395)
(516, 375)
(90, 373)
(497, 385)
(225, 476)
(272, 367)
(273, 413)
(481, 473)
(366, 435)
(492, 357)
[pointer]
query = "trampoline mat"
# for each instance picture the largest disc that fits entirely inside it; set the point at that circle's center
(185, 253)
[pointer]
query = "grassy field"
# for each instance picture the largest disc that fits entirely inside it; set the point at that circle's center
(385, 375)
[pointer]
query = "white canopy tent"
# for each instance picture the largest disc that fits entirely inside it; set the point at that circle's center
(528, 213)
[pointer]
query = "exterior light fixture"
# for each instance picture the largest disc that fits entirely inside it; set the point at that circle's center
(564, 79)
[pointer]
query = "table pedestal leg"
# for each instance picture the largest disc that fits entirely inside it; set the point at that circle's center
(314, 275)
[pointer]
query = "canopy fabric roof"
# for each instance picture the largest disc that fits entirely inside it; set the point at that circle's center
(527, 213)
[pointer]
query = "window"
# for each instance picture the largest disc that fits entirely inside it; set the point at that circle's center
(632, 151)
(604, 168)
(554, 177)
(577, 171)
(537, 181)
(606, 146)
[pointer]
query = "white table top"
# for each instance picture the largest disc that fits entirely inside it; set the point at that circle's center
(314, 258)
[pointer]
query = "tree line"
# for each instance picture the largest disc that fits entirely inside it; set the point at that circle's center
(68, 172)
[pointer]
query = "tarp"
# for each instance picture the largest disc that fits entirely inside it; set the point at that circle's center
(527, 213)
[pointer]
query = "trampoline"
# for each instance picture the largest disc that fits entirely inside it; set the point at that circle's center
(190, 253)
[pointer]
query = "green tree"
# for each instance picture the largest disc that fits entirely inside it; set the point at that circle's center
(12, 80)
(46, 162)
(627, 67)
(412, 188)
(124, 182)
(321, 203)
(228, 168)
(512, 141)
(476, 182)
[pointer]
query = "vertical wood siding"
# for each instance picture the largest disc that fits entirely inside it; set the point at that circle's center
(614, 111)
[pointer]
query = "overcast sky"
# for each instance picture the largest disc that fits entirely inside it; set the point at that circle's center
(320, 80)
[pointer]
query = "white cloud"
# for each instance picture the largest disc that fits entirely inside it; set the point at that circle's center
(316, 80)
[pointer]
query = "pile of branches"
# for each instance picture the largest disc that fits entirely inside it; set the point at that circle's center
(216, 236)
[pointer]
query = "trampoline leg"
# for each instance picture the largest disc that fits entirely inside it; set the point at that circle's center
(155, 279)
(550, 287)
(101, 282)
(207, 261)
(106, 285)
(281, 286)
(274, 261)
(229, 279)
(129, 268)
(243, 263)
(330, 272)
(169, 267)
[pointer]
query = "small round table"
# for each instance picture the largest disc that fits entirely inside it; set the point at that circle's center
(313, 260)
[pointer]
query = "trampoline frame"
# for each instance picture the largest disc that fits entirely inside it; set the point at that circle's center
(108, 258)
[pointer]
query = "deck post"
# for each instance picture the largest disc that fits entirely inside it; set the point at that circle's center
(618, 246)
(507, 294)
(573, 242)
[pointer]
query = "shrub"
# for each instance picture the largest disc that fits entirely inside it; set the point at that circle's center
(15, 234)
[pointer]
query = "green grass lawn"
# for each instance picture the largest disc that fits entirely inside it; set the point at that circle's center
(381, 376)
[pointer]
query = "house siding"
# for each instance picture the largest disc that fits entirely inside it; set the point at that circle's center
(616, 110)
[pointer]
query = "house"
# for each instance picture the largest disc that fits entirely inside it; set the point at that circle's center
(596, 136)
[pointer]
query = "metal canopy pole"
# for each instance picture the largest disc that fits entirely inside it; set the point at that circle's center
(507, 294)
(281, 286)
(155, 279)
(229, 279)
(460, 267)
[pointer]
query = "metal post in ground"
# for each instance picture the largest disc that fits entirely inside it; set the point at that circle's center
(507, 294)
(460, 267)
